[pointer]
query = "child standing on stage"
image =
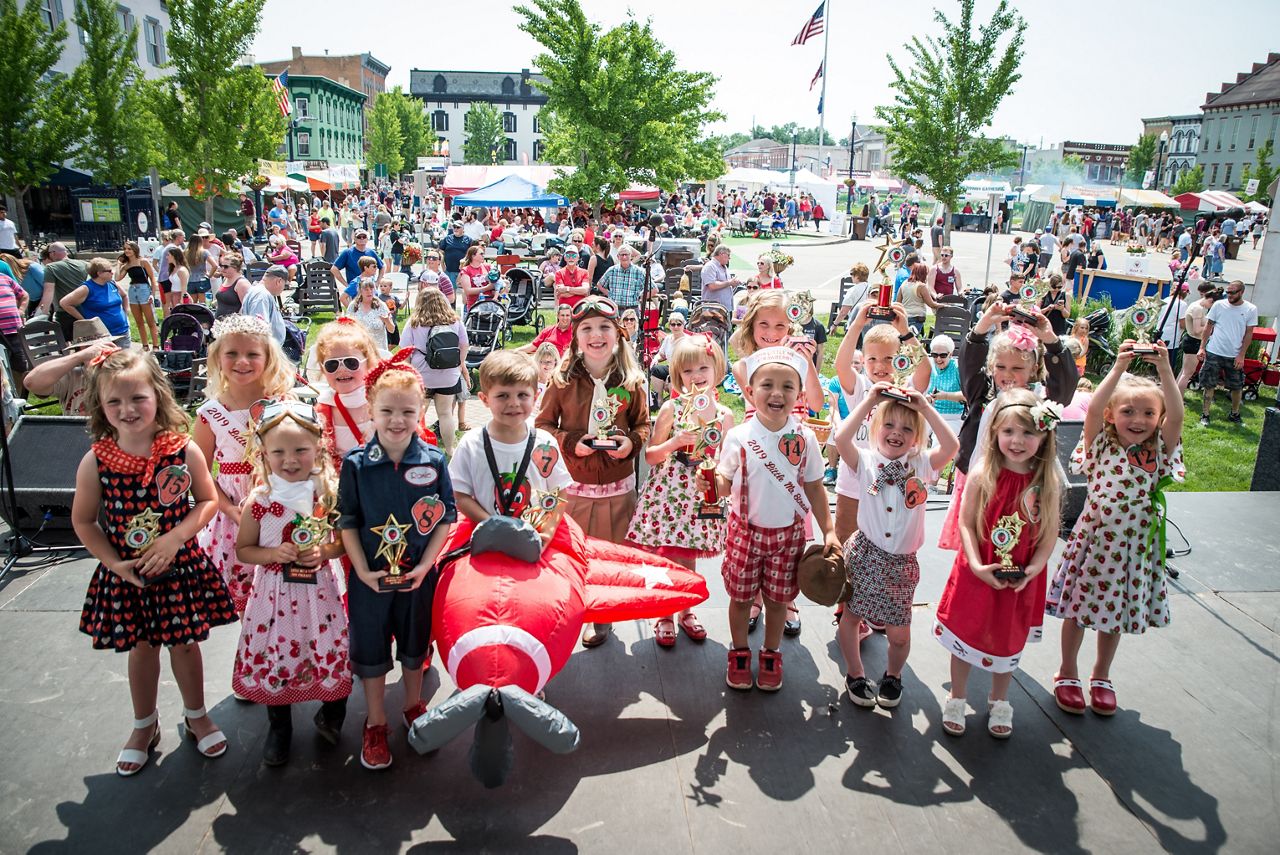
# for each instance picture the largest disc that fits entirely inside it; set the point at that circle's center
(502, 467)
(1020, 356)
(993, 604)
(246, 365)
(599, 370)
(346, 352)
(293, 639)
(771, 465)
(395, 504)
(153, 586)
(892, 472)
(689, 430)
(1112, 576)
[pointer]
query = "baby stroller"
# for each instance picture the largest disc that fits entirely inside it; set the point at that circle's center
(486, 326)
(184, 344)
(713, 320)
(1101, 354)
(522, 292)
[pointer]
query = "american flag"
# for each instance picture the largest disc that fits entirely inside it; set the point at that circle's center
(280, 88)
(812, 27)
(816, 75)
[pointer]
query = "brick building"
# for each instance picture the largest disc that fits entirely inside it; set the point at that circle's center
(359, 71)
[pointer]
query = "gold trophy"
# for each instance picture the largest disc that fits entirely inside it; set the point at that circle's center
(1143, 317)
(307, 532)
(1028, 298)
(603, 409)
(392, 548)
(541, 506)
(904, 365)
(1004, 537)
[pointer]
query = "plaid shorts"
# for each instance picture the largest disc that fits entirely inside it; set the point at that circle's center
(761, 559)
(1220, 371)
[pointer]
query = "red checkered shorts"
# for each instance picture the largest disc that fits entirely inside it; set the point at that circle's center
(761, 559)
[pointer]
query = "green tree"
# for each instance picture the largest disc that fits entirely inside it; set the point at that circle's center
(948, 96)
(619, 108)
(386, 142)
(728, 141)
(1142, 155)
(122, 138)
(39, 115)
(484, 134)
(219, 116)
(1262, 171)
(413, 128)
(1190, 181)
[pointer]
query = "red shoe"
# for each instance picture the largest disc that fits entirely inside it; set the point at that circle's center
(1102, 697)
(1069, 694)
(411, 714)
(374, 753)
(738, 675)
(769, 677)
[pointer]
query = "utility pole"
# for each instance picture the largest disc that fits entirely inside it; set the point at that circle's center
(795, 138)
(848, 200)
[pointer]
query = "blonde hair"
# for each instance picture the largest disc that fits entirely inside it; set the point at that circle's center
(324, 478)
(99, 265)
(693, 350)
(765, 257)
(859, 272)
(545, 349)
(352, 334)
(1016, 404)
(1003, 344)
(1081, 325)
(1129, 386)
(743, 339)
(278, 373)
(169, 416)
(433, 310)
(508, 368)
(883, 334)
(903, 414)
(623, 368)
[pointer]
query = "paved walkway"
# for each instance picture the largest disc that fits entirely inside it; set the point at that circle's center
(670, 759)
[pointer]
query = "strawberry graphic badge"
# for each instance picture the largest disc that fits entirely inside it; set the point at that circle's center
(914, 493)
(426, 513)
(791, 444)
(544, 459)
(1141, 457)
(172, 483)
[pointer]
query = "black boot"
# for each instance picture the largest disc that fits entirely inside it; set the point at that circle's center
(329, 719)
(275, 751)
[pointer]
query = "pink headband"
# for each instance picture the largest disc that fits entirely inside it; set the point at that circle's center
(1022, 337)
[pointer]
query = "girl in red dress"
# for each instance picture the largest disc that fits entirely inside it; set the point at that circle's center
(993, 604)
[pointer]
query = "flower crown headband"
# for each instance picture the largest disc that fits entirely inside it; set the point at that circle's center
(1044, 415)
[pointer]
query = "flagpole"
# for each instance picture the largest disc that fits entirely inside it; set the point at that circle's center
(822, 99)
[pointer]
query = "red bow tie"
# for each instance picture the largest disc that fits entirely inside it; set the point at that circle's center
(260, 511)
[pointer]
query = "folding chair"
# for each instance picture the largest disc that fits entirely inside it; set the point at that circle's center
(952, 321)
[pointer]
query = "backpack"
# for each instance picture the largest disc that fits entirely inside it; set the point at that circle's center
(442, 349)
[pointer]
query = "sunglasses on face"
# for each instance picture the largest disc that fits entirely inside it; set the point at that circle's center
(351, 363)
(942, 355)
(946, 255)
(433, 258)
(599, 305)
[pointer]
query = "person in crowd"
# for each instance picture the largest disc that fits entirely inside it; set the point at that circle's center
(279, 252)
(100, 296)
(30, 274)
(1108, 581)
(1193, 328)
(142, 290)
(945, 392)
(246, 365)
(170, 219)
(278, 217)
(572, 284)
(67, 274)
(559, 334)
(598, 263)
(298, 654)
(229, 297)
(1229, 327)
(433, 275)
(624, 282)
(249, 214)
(381, 541)
(944, 277)
(262, 300)
(344, 354)
(330, 241)
(439, 342)
(64, 376)
(8, 236)
(717, 283)
(371, 313)
(346, 268)
(857, 292)
(602, 498)
(453, 247)
(917, 298)
(765, 276)
(985, 619)
(773, 488)
(1056, 306)
(473, 278)
(13, 305)
(200, 268)
(153, 587)
(883, 573)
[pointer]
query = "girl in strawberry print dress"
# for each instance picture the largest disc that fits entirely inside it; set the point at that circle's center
(153, 587)
(1112, 576)
(246, 365)
(993, 602)
(690, 429)
(293, 639)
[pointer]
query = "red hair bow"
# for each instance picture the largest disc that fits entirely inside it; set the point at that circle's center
(107, 350)
(346, 319)
(398, 361)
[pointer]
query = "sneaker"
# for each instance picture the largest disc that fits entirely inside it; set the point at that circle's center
(861, 691)
(890, 694)
(738, 675)
(769, 677)
(411, 715)
(878, 627)
(829, 477)
(1204, 421)
(1234, 418)
(374, 753)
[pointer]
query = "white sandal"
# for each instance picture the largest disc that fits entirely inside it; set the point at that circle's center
(953, 711)
(136, 756)
(202, 745)
(1001, 716)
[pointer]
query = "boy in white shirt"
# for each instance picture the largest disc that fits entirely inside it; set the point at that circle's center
(496, 469)
(771, 465)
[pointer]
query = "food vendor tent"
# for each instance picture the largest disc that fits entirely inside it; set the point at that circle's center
(1208, 200)
(511, 192)
(1131, 197)
(464, 178)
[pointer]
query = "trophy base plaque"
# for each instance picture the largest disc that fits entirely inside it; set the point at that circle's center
(1012, 574)
(394, 582)
(1024, 316)
(880, 313)
(896, 394)
(301, 575)
(711, 511)
(1144, 348)
(604, 443)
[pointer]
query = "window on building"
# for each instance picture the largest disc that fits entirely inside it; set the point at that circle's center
(300, 106)
(439, 84)
(51, 12)
(508, 123)
(125, 17)
(154, 36)
(1204, 135)
(508, 86)
(537, 149)
(1253, 131)
(1235, 132)
(537, 123)
(304, 144)
(509, 149)
(440, 121)
(1226, 175)
(1213, 174)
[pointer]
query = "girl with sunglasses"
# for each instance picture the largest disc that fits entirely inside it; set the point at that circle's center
(602, 498)
(346, 352)
(246, 365)
(293, 639)
(765, 277)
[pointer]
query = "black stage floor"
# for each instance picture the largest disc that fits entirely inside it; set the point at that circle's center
(672, 759)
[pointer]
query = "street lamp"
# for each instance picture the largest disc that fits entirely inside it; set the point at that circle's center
(848, 199)
(795, 138)
(1022, 172)
(1164, 140)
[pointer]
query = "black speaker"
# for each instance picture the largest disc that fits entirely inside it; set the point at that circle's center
(1075, 488)
(45, 452)
(1266, 469)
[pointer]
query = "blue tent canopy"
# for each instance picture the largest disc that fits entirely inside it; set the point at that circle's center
(511, 192)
